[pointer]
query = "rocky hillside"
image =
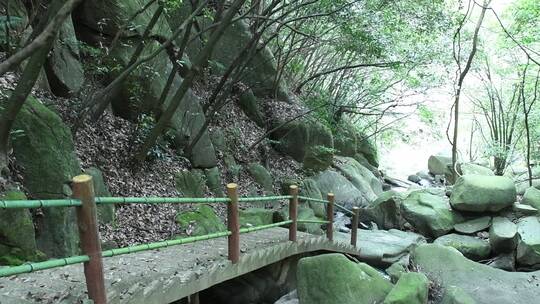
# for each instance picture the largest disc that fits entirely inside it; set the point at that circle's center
(260, 140)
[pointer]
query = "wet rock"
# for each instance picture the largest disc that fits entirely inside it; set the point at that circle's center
(477, 193)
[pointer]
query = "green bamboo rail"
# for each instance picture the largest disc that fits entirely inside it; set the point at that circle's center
(19, 204)
(85, 202)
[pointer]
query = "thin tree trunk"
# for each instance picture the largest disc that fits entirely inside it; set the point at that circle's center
(460, 86)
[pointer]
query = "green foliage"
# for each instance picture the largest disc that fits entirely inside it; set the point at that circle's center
(96, 62)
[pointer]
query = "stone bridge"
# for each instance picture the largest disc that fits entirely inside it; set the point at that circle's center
(166, 275)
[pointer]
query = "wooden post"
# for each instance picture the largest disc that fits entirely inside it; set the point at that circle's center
(194, 298)
(293, 212)
(330, 217)
(233, 223)
(354, 225)
(83, 190)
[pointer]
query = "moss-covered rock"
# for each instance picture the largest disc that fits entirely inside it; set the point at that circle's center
(106, 213)
(479, 193)
(332, 278)
(411, 288)
(350, 142)
(213, 181)
(440, 165)
(190, 183)
(262, 177)
(303, 213)
(17, 238)
(503, 235)
(202, 221)
(256, 217)
(318, 158)
(430, 214)
(297, 137)
(384, 211)
(46, 153)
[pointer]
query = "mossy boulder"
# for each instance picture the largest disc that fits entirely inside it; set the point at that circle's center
(262, 177)
(346, 193)
(318, 158)
(106, 213)
(297, 137)
(348, 141)
(46, 153)
(479, 193)
(256, 217)
(201, 221)
(474, 225)
(332, 278)
(190, 183)
(303, 213)
(430, 214)
(213, 181)
(411, 288)
(17, 238)
(470, 168)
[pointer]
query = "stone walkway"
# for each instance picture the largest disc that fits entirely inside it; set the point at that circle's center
(165, 275)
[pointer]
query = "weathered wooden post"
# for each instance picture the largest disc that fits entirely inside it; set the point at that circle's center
(233, 223)
(330, 217)
(83, 190)
(354, 225)
(293, 212)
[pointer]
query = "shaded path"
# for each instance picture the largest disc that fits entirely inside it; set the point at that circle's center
(165, 275)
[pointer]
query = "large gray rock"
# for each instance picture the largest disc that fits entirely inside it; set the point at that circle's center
(528, 249)
(439, 165)
(456, 295)
(381, 247)
(473, 248)
(141, 93)
(297, 137)
(117, 13)
(430, 214)
(332, 278)
(361, 177)
(479, 193)
(64, 70)
(531, 197)
(47, 157)
(350, 142)
(346, 193)
(385, 211)
(503, 235)
(484, 284)
(200, 221)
